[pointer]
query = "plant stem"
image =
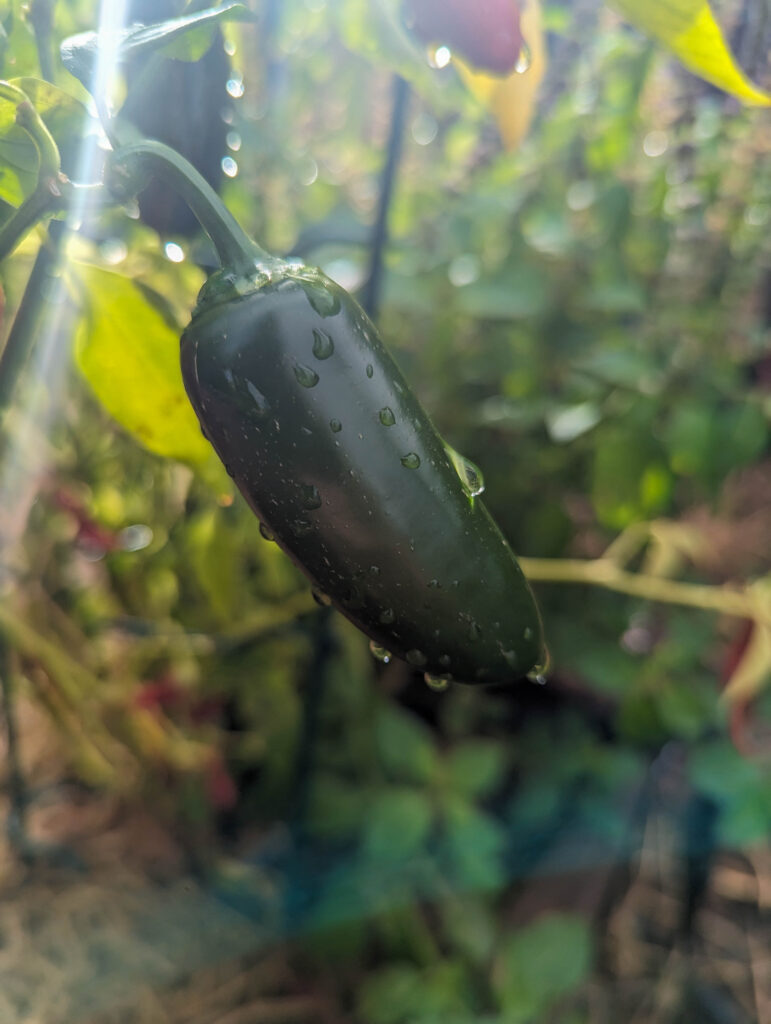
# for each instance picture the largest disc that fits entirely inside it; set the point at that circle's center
(22, 335)
(602, 572)
(371, 293)
(235, 250)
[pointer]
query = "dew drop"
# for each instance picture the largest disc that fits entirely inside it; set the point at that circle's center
(445, 660)
(510, 657)
(266, 533)
(322, 599)
(469, 474)
(416, 658)
(539, 672)
(261, 405)
(379, 652)
(370, 370)
(387, 616)
(528, 634)
(524, 60)
(311, 499)
(437, 683)
(323, 346)
(474, 630)
(322, 299)
(411, 460)
(433, 584)
(305, 375)
(301, 526)
(374, 570)
(335, 426)
(387, 417)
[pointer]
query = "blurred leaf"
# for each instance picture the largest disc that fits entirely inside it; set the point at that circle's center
(404, 745)
(214, 557)
(374, 29)
(398, 823)
(337, 807)
(688, 28)
(524, 291)
(185, 38)
(473, 842)
(629, 482)
(475, 767)
(719, 770)
(746, 821)
(130, 358)
(403, 994)
(512, 99)
(541, 963)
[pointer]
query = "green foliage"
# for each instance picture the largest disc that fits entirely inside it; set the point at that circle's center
(583, 318)
(542, 962)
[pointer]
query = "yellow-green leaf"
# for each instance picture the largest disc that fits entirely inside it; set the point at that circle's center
(688, 28)
(511, 99)
(130, 357)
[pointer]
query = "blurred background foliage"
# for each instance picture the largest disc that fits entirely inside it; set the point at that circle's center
(586, 317)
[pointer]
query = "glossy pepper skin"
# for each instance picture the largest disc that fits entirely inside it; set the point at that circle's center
(333, 452)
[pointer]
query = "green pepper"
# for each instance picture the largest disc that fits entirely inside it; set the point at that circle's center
(324, 438)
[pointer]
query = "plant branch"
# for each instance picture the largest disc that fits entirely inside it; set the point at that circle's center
(371, 293)
(603, 572)
(129, 168)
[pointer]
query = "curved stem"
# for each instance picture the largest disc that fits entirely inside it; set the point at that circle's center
(235, 249)
(36, 207)
(602, 572)
(32, 123)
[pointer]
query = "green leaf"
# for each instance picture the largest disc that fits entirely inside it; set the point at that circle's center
(688, 28)
(184, 38)
(404, 994)
(404, 745)
(629, 481)
(398, 824)
(476, 766)
(541, 963)
(474, 842)
(130, 357)
(215, 560)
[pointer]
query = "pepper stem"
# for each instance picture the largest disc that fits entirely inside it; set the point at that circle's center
(128, 173)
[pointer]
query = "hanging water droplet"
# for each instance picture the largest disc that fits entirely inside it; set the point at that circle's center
(266, 533)
(379, 652)
(539, 672)
(469, 474)
(305, 375)
(387, 616)
(524, 60)
(321, 598)
(437, 683)
(311, 499)
(411, 460)
(416, 658)
(335, 426)
(510, 658)
(322, 299)
(387, 417)
(370, 370)
(323, 346)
